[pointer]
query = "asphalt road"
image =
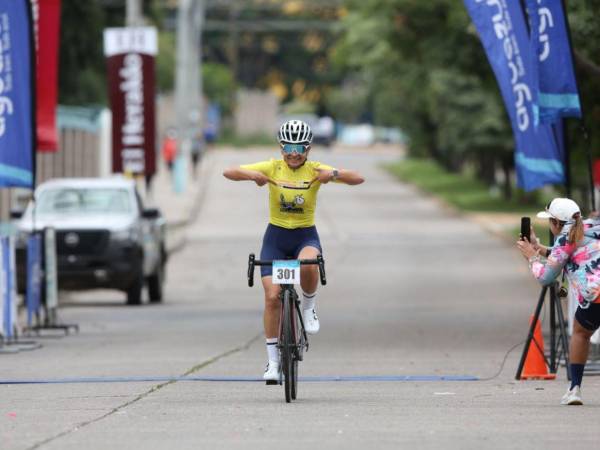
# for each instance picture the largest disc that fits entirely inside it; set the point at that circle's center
(414, 290)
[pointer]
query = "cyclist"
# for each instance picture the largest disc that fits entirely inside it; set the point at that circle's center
(293, 185)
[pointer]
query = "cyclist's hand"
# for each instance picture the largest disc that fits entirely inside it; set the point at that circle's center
(324, 176)
(260, 179)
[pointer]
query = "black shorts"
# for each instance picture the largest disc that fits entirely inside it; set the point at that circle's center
(282, 243)
(589, 318)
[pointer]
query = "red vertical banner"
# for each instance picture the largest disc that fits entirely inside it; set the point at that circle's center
(47, 26)
(130, 56)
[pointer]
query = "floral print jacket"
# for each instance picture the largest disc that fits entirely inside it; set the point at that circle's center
(580, 263)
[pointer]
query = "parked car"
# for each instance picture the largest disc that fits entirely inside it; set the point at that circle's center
(359, 135)
(104, 236)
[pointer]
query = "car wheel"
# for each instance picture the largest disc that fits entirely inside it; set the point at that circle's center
(134, 292)
(155, 284)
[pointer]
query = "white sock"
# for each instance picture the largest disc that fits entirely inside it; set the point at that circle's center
(308, 300)
(272, 351)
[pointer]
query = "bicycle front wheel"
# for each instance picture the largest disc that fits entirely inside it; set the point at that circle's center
(287, 348)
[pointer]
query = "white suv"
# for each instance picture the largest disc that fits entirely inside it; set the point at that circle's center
(104, 236)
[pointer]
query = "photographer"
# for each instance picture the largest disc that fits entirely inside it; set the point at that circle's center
(576, 253)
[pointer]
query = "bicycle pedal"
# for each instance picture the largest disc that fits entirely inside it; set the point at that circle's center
(271, 382)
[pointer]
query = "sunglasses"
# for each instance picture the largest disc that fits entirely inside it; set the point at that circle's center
(295, 148)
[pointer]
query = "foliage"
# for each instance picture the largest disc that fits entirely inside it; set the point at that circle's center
(460, 190)
(299, 107)
(219, 86)
(585, 29)
(82, 71)
(82, 65)
(425, 70)
(165, 62)
(281, 46)
(229, 138)
(348, 102)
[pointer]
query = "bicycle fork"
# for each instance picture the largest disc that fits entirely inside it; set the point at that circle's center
(304, 335)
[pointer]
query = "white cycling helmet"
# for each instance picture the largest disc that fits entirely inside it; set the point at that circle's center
(295, 132)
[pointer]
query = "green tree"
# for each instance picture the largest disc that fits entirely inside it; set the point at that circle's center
(219, 86)
(82, 65)
(82, 70)
(165, 62)
(429, 75)
(584, 18)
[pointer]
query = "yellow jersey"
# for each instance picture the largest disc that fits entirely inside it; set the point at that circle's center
(293, 199)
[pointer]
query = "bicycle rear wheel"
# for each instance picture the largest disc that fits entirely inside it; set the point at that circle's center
(287, 348)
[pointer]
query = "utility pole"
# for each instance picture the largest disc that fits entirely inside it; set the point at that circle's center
(133, 15)
(188, 85)
(234, 38)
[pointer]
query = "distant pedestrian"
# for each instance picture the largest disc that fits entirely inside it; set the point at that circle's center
(576, 253)
(169, 149)
(196, 153)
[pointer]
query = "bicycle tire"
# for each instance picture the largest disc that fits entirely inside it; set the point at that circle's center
(287, 347)
(296, 349)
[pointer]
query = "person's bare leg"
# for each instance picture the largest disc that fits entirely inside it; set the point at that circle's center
(578, 352)
(580, 344)
(309, 279)
(272, 308)
(309, 274)
(271, 324)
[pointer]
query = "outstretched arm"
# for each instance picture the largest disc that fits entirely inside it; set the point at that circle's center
(344, 175)
(351, 177)
(239, 174)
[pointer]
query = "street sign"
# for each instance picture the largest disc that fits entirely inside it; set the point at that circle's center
(131, 81)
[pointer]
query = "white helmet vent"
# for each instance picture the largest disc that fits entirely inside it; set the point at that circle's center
(295, 132)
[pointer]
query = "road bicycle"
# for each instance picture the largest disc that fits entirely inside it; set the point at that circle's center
(292, 340)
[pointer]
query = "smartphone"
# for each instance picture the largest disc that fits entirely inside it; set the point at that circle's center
(525, 228)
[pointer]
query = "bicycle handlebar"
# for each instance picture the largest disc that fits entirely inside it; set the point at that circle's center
(252, 262)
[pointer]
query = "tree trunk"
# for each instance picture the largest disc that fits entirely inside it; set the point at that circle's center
(586, 65)
(506, 169)
(486, 170)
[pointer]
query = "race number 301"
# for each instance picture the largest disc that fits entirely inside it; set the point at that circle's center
(286, 272)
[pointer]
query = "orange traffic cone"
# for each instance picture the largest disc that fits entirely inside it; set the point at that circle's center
(535, 364)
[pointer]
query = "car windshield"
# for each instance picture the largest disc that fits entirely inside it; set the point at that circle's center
(84, 201)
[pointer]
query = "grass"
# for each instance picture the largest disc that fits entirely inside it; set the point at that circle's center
(468, 194)
(462, 191)
(541, 231)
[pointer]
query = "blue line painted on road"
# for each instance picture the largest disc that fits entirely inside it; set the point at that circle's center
(313, 379)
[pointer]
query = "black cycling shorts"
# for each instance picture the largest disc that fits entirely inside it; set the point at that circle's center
(283, 243)
(589, 318)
